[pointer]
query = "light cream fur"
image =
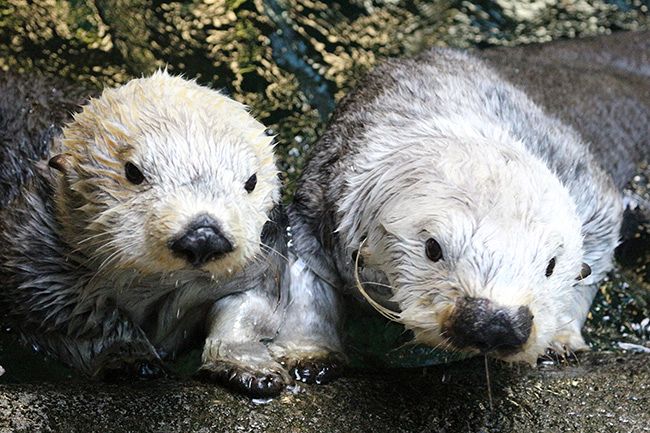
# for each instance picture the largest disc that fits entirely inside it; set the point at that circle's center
(196, 148)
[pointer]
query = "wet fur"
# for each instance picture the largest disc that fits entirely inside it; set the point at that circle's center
(575, 113)
(101, 312)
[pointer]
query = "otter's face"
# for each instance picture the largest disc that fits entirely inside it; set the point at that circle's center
(483, 259)
(162, 174)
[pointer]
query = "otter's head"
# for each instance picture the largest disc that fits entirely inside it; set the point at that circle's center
(162, 174)
(481, 244)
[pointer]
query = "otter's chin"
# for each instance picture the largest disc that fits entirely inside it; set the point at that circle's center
(146, 268)
(225, 269)
(509, 355)
(527, 353)
(527, 357)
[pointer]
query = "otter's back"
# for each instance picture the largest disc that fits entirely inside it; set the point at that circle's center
(600, 86)
(32, 111)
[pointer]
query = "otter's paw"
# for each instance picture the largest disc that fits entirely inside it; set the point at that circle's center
(143, 369)
(564, 346)
(120, 361)
(253, 382)
(315, 367)
(568, 341)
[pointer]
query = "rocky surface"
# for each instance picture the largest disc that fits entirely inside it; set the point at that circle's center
(603, 392)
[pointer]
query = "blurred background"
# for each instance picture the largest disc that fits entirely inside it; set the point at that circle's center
(291, 61)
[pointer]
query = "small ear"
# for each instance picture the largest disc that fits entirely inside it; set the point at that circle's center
(360, 254)
(357, 259)
(585, 271)
(60, 162)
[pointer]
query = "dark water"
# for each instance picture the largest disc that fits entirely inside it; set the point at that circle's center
(291, 61)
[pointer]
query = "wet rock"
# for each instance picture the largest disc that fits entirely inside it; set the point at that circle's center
(600, 392)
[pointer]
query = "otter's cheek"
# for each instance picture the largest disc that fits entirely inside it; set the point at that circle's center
(150, 254)
(162, 222)
(250, 226)
(229, 265)
(129, 243)
(444, 315)
(428, 337)
(427, 325)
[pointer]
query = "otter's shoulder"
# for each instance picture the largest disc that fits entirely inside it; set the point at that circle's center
(311, 213)
(599, 86)
(33, 109)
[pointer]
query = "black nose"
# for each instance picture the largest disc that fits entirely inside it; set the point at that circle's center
(480, 324)
(201, 242)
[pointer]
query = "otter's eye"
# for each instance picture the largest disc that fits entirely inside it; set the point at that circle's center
(249, 186)
(133, 173)
(585, 271)
(433, 249)
(550, 267)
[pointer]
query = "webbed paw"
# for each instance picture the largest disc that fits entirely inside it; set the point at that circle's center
(318, 371)
(568, 342)
(564, 347)
(253, 382)
(122, 361)
(318, 367)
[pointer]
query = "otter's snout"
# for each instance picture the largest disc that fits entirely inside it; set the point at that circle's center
(480, 324)
(202, 241)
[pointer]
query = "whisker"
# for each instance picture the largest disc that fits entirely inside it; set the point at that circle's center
(378, 284)
(574, 356)
(270, 248)
(387, 313)
(442, 344)
(105, 233)
(564, 325)
(101, 249)
(489, 385)
(108, 260)
(97, 242)
(275, 251)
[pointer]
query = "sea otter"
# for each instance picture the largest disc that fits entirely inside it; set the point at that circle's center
(473, 197)
(151, 220)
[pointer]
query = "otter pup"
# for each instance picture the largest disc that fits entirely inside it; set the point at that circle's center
(156, 223)
(474, 196)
